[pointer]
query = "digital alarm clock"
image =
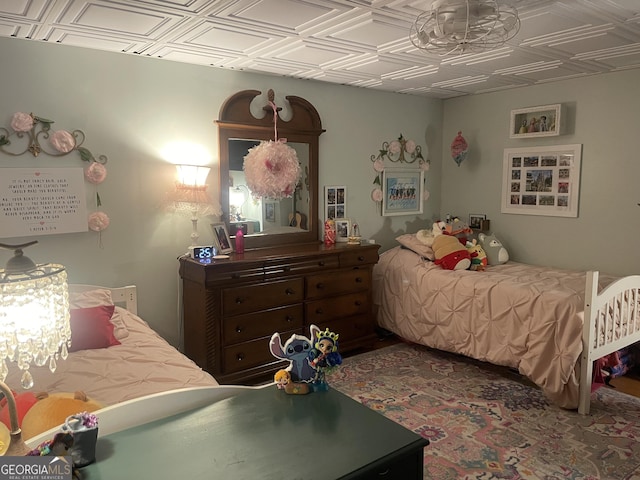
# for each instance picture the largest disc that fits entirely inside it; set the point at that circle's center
(203, 253)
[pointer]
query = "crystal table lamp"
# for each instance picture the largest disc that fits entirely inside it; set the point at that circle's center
(34, 325)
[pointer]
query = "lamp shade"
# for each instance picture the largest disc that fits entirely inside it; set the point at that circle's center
(34, 319)
(192, 175)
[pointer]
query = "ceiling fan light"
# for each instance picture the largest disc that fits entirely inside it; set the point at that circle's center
(464, 26)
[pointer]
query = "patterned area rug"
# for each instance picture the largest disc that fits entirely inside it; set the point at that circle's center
(486, 423)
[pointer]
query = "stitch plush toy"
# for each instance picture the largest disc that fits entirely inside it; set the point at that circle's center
(296, 350)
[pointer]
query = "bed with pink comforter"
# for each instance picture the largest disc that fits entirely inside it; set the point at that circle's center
(521, 316)
(143, 363)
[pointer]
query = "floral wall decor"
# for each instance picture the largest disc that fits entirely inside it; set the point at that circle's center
(29, 133)
(400, 151)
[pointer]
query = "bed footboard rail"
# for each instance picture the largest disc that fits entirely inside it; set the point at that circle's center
(611, 322)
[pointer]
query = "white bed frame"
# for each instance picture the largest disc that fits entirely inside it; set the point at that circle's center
(610, 323)
(126, 296)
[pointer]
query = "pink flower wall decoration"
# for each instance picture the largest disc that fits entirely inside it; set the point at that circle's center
(95, 173)
(98, 221)
(22, 122)
(62, 141)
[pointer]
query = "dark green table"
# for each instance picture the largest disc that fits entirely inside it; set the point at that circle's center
(264, 434)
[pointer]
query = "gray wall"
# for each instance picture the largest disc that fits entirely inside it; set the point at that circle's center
(131, 107)
(601, 114)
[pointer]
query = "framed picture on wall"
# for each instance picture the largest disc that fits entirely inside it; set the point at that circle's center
(531, 122)
(542, 180)
(402, 191)
(335, 202)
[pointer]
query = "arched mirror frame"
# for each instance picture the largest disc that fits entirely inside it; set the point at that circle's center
(236, 121)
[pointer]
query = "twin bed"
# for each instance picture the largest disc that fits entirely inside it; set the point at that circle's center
(549, 324)
(117, 365)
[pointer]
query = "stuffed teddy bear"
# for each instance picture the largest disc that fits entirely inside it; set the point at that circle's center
(450, 253)
(496, 253)
(52, 410)
(478, 256)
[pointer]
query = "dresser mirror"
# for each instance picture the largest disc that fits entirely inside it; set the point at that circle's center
(267, 222)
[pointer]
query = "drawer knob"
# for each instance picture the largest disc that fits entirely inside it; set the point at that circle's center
(289, 291)
(239, 329)
(320, 285)
(240, 357)
(358, 279)
(358, 303)
(361, 258)
(289, 318)
(319, 311)
(321, 263)
(239, 300)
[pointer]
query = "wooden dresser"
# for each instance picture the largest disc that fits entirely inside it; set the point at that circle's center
(233, 306)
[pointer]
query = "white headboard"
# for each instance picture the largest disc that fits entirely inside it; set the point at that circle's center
(126, 296)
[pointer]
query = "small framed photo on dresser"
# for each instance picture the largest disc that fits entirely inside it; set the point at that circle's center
(221, 238)
(343, 227)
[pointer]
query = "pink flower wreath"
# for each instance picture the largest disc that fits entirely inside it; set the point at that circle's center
(272, 170)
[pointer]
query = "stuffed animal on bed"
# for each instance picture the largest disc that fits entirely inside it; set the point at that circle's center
(450, 253)
(496, 253)
(52, 410)
(478, 256)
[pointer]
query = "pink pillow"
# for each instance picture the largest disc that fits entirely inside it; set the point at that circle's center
(92, 328)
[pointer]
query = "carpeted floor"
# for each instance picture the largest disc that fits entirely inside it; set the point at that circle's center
(487, 423)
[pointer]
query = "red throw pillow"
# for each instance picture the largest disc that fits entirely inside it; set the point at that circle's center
(92, 328)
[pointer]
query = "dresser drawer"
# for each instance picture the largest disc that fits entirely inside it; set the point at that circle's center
(335, 283)
(253, 325)
(250, 354)
(351, 329)
(327, 309)
(252, 298)
(358, 257)
(301, 265)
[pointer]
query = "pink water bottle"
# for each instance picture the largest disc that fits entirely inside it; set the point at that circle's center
(239, 241)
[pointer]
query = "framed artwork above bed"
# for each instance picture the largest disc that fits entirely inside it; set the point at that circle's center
(402, 191)
(542, 180)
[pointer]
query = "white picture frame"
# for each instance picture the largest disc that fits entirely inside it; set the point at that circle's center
(343, 229)
(533, 122)
(335, 202)
(221, 238)
(542, 180)
(402, 191)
